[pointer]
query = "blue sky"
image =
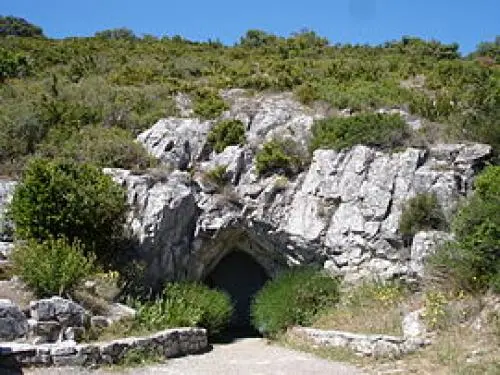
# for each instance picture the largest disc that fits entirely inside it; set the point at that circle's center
(347, 21)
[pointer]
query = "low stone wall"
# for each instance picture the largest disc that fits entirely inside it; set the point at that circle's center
(170, 343)
(367, 345)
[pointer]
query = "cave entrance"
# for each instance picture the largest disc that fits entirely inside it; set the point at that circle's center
(241, 276)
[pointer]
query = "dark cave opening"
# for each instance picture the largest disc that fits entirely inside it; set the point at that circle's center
(241, 277)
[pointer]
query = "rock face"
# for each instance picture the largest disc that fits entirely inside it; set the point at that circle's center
(343, 211)
(13, 323)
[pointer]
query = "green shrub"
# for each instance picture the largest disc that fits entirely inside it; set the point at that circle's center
(378, 130)
(13, 65)
(103, 147)
(293, 298)
(472, 261)
(226, 133)
(208, 104)
(77, 201)
(217, 175)
(421, 212)
(186, 304)
(52, 267)
(277, 156)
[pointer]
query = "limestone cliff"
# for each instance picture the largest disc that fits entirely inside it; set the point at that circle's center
(342, 212)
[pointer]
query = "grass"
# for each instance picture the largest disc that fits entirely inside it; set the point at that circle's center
(370, 308)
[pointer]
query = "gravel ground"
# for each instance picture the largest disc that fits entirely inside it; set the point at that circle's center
(250, 356)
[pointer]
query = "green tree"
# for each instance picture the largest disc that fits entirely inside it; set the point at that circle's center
(16, 26)
(76, 201)
(118, 33)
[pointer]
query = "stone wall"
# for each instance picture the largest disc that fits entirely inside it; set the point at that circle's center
(169, 343)
(366, 345)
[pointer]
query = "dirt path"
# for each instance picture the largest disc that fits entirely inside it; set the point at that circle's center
(250, 356)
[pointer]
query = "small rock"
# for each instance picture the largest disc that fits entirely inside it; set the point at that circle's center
(118, 311)
(413, 325)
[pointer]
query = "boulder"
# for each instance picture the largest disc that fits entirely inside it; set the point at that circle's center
(13, 323)
(413, 326)
(56, 309)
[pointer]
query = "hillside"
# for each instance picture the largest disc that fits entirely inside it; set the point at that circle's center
(58, 97)
(338, 199)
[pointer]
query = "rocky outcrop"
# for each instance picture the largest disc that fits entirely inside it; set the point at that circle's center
(424, 244)
(6, 191)
(343, 211)
(167, 344)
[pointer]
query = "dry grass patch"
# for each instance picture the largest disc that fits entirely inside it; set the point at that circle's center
(465, 332)
(371, 308)
(460, 350)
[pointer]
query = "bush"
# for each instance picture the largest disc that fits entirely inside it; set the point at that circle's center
(421, 212)
(377, 130)
(63, 198)
(306, 93)
(472, 261)
(208, 104)
(293, 298)
(51, 267)
(278, 156)
(186, 304)
(217, 175)
(103, 147)
(226, 133)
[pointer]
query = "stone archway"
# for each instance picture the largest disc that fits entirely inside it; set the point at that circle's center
(241, 276)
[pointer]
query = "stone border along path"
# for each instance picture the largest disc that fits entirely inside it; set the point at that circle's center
(171, 343)
(367, 345)
(248, 356)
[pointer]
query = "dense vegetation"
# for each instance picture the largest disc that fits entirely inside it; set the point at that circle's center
(119, 80)
(279, 156)
(185, 305)
(472, 261)
(377, 130)
(66, 199)
(226, 133)
(293, 298)
(422, 212)
(52, 267)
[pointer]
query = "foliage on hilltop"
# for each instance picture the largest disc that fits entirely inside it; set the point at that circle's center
(117, 79)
